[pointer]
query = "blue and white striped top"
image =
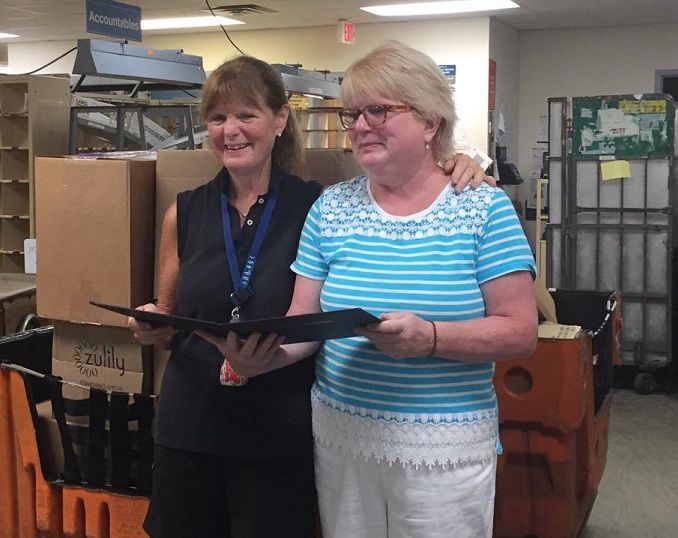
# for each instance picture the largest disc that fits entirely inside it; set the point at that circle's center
(417, 410)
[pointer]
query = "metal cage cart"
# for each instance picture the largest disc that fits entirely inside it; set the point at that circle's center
(616, 232)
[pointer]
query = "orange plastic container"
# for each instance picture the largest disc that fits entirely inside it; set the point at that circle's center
(99, 514)
(555, 444)
(31, 507)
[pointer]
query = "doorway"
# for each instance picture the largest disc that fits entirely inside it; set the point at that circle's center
(666, 81)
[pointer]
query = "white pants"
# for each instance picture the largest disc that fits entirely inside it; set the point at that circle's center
(368, 499)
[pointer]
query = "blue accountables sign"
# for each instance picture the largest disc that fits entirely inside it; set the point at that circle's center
(113, 19)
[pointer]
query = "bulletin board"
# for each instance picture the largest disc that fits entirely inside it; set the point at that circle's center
(623, 125)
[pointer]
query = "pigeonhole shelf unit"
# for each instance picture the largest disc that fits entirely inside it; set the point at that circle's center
(33, 121)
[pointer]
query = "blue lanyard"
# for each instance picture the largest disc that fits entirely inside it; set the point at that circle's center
(241, 288)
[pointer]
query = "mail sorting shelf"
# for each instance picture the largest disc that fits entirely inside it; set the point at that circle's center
(33, 121)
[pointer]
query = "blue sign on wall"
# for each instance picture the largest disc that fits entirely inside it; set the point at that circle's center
(114, 19)
(450, 73)
(449, 70)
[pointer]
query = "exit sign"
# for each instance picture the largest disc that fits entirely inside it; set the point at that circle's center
(346, 32)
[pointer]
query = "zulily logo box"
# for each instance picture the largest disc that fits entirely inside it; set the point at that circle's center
(90, 357)
(100, 356)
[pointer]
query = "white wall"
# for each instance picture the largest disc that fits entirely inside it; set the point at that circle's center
(23, 57)
(463, 42)
(575, 63)
(505, 50)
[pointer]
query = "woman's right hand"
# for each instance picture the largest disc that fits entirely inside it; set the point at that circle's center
(251, 357)
(148, 335)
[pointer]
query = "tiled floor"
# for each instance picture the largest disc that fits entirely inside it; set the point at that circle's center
(638, 496)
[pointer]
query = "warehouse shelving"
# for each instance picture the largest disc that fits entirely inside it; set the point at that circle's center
(33, 121)
(319, 122)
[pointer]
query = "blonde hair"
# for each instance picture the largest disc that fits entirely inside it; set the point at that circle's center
(399, 72)
(258, 84)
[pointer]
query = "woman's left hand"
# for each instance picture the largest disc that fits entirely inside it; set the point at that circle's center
(400, 334)
(465, 171)
(250, 358)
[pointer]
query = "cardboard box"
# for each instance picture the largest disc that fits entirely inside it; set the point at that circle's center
(51, 447)
(49, 441)
(104, 357)
(549, 328)
(178, 171)
(328, 166)
(545, 303)
(94, 231)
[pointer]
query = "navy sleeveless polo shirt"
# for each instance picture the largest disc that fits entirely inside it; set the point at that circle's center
(270, 416)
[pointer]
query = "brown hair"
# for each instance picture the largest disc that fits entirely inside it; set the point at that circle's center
(396, 71)
(258, 84)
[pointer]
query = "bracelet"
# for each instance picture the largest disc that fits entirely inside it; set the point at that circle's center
(435, 338)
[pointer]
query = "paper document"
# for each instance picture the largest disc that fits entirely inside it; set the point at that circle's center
(615, 170)
(557, 331)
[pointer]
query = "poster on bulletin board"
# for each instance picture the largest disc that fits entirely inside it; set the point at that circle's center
(623, 125)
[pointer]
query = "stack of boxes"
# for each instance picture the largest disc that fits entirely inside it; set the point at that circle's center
(176, 171)
(95, 235)
(98, 225)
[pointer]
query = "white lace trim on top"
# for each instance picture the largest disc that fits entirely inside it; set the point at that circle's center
(347, 208)
(413, 443)
(419, 214)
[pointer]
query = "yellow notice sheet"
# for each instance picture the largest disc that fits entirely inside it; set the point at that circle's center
(615, 170)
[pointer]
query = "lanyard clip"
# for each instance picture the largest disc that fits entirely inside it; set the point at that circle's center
(241, 296)
(235, 314)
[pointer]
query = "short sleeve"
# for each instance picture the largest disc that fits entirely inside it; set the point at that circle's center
(503, 248)
(310, 261)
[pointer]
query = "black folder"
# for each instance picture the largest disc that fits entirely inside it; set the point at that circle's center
(303, 328)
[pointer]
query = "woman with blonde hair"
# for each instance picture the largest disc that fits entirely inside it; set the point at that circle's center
(405, 415)
(235, 459)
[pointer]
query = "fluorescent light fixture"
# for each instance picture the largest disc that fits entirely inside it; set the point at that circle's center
(7, 36)
(439, 8)
(187, 22)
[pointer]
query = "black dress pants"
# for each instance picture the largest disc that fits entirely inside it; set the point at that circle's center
(205, 496)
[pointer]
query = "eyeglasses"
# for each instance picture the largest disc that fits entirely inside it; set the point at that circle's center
(374, 115)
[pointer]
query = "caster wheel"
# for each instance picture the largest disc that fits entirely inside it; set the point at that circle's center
(644, 383)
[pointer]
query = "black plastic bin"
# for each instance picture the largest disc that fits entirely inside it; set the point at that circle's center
(33, 350)
(592, 310)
